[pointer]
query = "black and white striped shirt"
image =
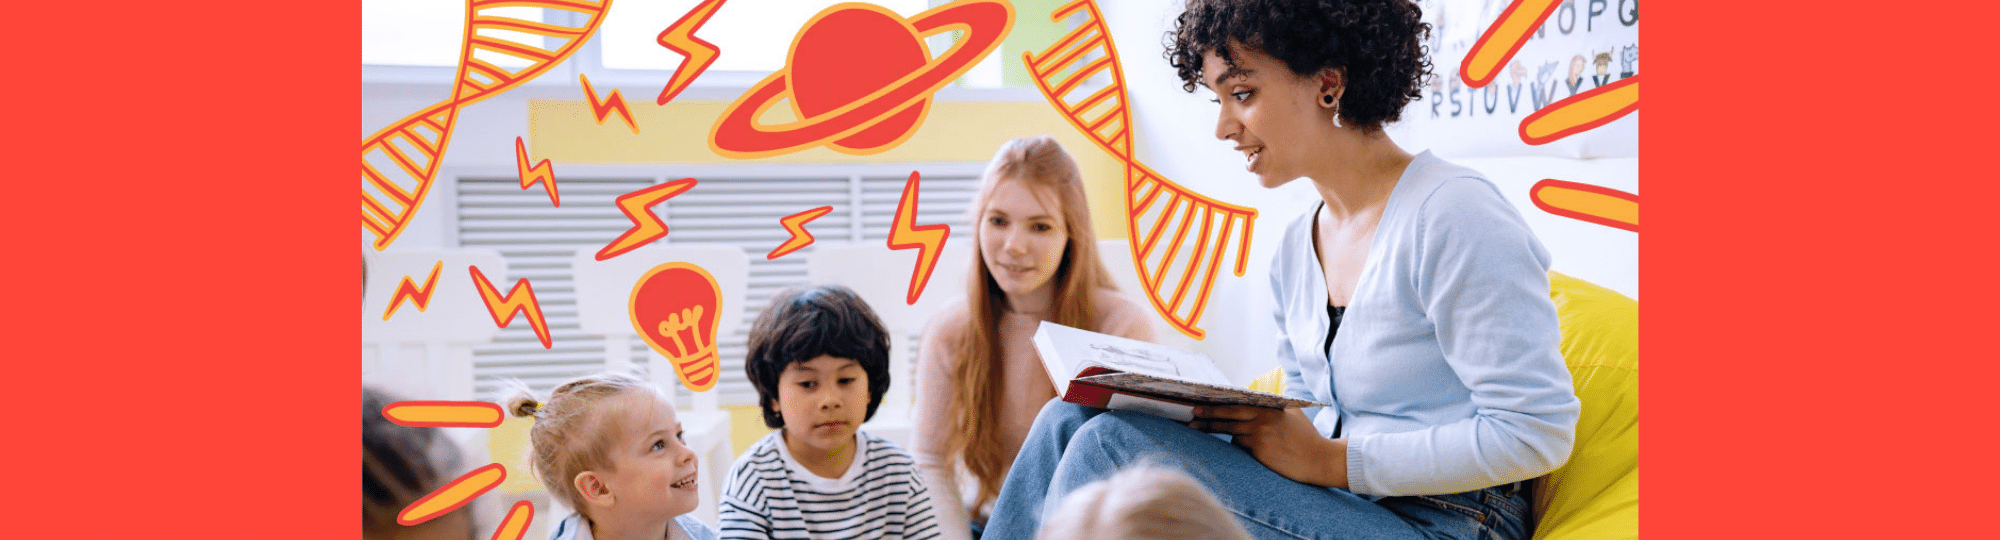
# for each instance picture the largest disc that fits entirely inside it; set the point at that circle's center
(881, 496)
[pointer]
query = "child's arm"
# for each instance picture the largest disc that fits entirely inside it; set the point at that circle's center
(920, 523)
(935, 391)
(742, 513)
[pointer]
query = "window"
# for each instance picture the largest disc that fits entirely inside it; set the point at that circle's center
(427, 33)
(419, 41)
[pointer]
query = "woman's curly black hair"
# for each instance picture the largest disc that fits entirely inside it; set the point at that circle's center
(1380, 43)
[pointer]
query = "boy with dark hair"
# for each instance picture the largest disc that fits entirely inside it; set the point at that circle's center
(819, 358)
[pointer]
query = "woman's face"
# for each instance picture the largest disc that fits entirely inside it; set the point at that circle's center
(1022, 237)
(1268, 111)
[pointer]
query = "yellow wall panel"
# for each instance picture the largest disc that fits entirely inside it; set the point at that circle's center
(564, 131)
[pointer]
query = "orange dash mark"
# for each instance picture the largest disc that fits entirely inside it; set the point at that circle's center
(796, 224)
(516, 524)
(1581, 112)
(904, 233)
(1595, 204)
(520, 299)
(613, 102)
(421, 296)
(638, 207)
(453, 495)
(475, 414)
(542, 173)
(1500, 41)
(679, 37)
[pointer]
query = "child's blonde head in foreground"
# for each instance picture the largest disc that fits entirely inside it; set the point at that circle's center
(609, 441)
(1144, 502)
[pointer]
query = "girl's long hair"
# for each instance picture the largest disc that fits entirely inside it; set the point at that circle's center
(1041, 163)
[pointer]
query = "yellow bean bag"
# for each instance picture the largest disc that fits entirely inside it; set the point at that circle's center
(1595, 495)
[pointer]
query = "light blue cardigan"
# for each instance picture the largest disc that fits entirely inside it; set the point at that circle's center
(1446, 376)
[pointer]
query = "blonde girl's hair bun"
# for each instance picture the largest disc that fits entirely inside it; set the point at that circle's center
(572, 429)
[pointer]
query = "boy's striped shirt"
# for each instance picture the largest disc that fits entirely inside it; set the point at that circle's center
(881, 496)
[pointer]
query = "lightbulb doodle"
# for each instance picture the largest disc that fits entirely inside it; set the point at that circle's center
(518, 300)
(542, 173)
(1102, 114)
(905, 233)
(679, 37)
(677, 308)
(613, 102)
(400, 162)
(859, 79)
(796, 224)
(1573, 115)
(421, 296)
(638, 207)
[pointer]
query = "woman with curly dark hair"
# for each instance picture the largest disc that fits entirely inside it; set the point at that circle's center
(1448, 390)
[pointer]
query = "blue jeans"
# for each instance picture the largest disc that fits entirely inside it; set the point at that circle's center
(1071, 445)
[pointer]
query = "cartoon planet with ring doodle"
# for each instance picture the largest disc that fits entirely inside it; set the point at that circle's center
(859, 79)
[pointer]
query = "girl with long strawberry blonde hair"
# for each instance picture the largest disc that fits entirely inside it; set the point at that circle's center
(979, 381)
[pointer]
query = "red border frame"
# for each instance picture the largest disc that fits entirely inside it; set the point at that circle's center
(1800, 176)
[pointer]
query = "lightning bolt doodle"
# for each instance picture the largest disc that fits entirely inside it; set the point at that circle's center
(904, 233)
(1595, 204)
(796, 224)
(646, 227)
(542, 173)
(478, 414)
(512, 303)
(679, 37)
(1503, 39)
(421, 296)
(613, 102)
(1581, 112)
(453, 495)
(516, 524)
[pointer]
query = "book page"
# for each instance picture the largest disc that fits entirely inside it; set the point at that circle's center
(1077, 349)
(1132, 359)
(1061, 360)
(1174, 411)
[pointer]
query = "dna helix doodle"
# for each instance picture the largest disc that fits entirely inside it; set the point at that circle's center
(399, 162)
(1153, 203)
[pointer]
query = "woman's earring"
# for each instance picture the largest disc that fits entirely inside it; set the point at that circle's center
(1336, 117)
(1327, 101)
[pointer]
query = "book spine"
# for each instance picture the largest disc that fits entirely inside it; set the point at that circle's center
(1084, 393)
(1088, 395)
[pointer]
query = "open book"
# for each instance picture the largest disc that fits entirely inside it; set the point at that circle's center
(1102, 370)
